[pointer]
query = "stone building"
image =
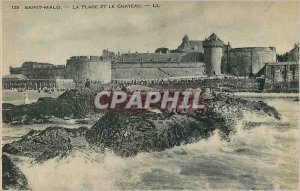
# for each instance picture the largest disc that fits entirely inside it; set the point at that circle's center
(35, 70)
(194, 49)
(282, 77)
(188, 45)
(245, 61)
(37, 76)
(248, 61)
(282, 71)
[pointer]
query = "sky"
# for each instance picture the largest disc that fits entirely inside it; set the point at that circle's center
(53, 36)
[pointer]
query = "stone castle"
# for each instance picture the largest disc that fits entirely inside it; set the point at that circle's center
(191, 60)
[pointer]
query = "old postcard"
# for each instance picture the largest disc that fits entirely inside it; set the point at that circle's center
(150, 95)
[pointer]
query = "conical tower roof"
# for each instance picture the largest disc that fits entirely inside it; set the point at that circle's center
(213, 36)
(213, 41)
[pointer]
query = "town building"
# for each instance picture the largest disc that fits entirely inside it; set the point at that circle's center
(35, 70)
(282, 76)
(188, 45)
(282, 72)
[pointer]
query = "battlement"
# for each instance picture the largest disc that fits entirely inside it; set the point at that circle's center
(85, 58)
(249, 49)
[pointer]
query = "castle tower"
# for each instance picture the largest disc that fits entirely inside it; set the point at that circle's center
(185, 39)
(213, 52)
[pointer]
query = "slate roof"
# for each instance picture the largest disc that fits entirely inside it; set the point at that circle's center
(213, 40)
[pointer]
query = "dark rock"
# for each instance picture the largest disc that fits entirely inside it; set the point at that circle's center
(71, 104)
(12, 177)
(223, 104)
(48, 143)
(7, 112)
(7, 106)
(130, 132)
(78, 103)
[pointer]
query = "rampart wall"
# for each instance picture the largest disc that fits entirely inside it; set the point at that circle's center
(156, 70)
(250, 60)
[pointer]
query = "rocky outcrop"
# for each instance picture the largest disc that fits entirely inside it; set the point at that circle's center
(71, 104)
(225, 105)
(48, 143)
(129, 132)
(12, 177)
(77, 104)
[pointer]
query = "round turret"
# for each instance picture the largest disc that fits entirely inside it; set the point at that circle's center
(213, 52)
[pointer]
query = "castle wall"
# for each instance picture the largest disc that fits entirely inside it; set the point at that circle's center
(156, 70)
(90, 69)
(246, 61)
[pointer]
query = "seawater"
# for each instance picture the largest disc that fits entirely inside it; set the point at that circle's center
(263, 156)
